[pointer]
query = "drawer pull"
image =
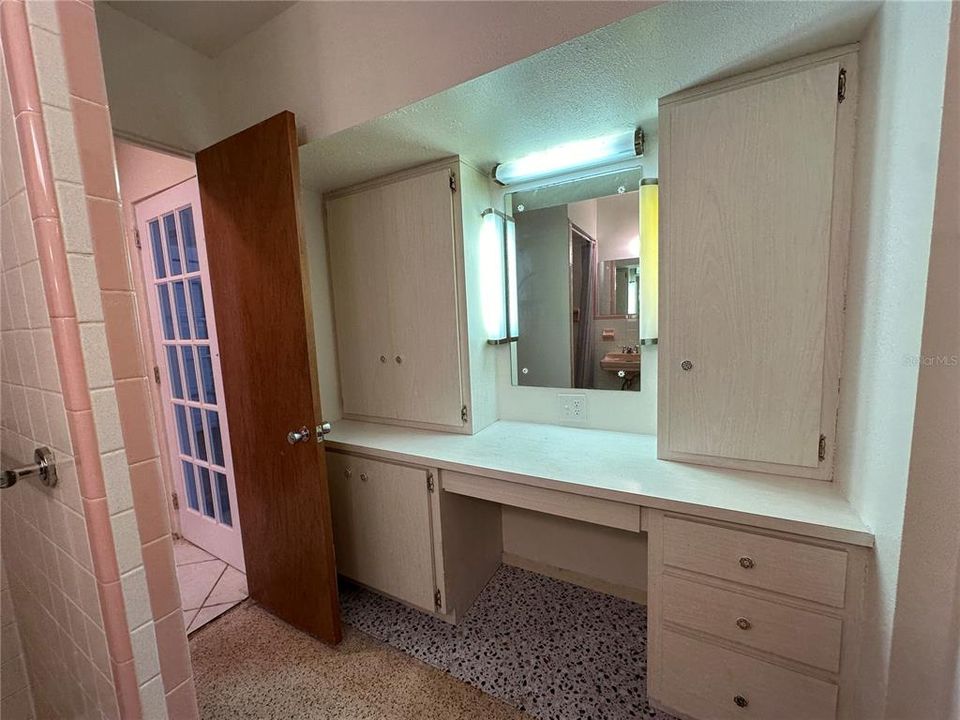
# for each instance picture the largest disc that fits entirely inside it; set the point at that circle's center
(740, 701)
(746, 563)
(348, 473)
(743, 623)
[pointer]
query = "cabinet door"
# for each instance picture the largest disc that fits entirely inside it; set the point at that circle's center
(424, 301)
(382, 527)
(356, 230)
(747, 221)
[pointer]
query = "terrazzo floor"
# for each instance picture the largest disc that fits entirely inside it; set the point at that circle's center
(250, 665)
(555, 650)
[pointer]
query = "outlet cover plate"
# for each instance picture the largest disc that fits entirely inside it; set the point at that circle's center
(572, 407)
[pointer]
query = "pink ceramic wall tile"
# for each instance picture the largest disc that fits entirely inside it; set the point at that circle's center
(24, 90)
(81, 48)
(123, 335)
(54, 268)
(148, 501)
(108, 241)
(83, 433)
(118, 637)
(128, 695)
(182, 702)
(37, 171)
(174, 655)
(136, 417)
(162, 578)
(95, 143)
(73, 380)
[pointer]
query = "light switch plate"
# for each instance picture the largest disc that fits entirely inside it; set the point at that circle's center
(573, 408)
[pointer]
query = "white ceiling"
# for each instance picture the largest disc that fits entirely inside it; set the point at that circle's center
(603, 82)
(207, 26)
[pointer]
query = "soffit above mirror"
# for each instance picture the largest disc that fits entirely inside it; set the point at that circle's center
(606, 81)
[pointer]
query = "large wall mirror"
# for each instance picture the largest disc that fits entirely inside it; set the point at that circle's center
(580, 283)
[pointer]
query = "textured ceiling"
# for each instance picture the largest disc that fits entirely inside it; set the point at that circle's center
(603, 82)
(207, 26)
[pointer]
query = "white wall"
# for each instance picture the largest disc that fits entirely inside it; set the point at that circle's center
(924, 667)
(902, 79)
(334, 64)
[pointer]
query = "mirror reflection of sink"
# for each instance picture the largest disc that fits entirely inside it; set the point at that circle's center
(616, 361)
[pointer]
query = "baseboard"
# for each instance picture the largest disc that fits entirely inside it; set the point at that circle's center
(587, 581)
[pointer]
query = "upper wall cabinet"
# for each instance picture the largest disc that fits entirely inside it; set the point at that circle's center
(402, 299)
(755, 175)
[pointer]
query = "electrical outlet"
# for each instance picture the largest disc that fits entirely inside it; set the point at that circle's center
(573, 408)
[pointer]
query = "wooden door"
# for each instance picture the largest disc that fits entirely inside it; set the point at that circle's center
(249, 191)
(750, 238)
(383, 527)
(423, 302)
(175, 269)
(356, 231)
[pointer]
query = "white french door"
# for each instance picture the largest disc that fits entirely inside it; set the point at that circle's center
(174, 260)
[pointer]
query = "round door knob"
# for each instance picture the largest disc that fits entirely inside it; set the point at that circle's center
(747, 563)
(740, 701)
(686, 365)
(743, 623)
(298, 436)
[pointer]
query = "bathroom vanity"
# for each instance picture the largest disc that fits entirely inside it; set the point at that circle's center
(755, 560)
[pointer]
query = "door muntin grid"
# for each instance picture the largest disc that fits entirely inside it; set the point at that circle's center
(188, 356)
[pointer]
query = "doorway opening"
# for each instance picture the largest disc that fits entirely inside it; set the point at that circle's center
(163, 221)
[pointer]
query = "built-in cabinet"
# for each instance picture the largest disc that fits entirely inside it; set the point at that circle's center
(750, 623)
(404, 304)
(755, 176)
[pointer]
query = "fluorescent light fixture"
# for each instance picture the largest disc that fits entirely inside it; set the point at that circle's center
(571, 158)
(498, 273)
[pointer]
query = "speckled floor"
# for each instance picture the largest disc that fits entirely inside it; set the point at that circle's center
(249, 665)
(556, 650)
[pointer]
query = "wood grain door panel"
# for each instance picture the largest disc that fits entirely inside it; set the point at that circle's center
(747, 197)
(249, 191)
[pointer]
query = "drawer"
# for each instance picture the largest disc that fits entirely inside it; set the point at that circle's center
(707, 681)
(598, 511)
(800, 635)
(785, 566)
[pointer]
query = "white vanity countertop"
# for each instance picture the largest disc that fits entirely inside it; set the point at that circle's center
(615, 466)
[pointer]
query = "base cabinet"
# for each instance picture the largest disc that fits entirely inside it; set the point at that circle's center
(396, 532)
(745, 623)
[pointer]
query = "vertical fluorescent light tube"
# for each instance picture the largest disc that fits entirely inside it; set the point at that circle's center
(492, 277)
(649, 257)
(513, 312)
(571, 157)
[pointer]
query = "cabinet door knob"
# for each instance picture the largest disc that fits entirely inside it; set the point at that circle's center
(743, 623)
(364, 477)
(686, 365)
(747, 563)
(740, 701)
(383, 358)
(399, 359)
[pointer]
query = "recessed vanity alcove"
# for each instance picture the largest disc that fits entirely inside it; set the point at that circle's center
(688, 279)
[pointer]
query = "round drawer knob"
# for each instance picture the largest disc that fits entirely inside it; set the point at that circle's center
(746, 563)
(740, 701)
(686, 365)
(383, 358)
(743, 623)
(364, 477)
(399, 359)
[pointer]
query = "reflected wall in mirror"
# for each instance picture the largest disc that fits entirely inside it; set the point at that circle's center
(579, 284)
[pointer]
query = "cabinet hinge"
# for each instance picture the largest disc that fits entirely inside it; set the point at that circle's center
(430, 483)
(842, 86)
(453, 182)
(176, 502)
(156, 374)
(437, 599)
(136, 238)
(463, 414)
(822, 448)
